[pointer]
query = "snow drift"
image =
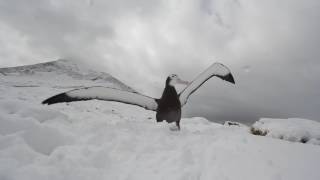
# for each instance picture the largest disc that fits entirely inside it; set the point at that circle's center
(293, 129)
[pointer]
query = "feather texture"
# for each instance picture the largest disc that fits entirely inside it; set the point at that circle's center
(216, 69)
(105, 94)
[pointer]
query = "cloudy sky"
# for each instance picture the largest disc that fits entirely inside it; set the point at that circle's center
(271, 46)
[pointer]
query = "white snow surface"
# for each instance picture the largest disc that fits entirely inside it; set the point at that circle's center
(99, 140)
(292, 129)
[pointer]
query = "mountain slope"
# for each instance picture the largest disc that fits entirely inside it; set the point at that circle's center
(60, 74)
(99, 140)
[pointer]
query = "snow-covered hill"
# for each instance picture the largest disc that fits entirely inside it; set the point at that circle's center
(60, 74)
(96, 140)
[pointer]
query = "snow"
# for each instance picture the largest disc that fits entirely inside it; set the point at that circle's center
(98, 140)
(293, 129)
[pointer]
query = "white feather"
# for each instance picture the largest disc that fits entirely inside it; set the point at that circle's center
(110, 94)
(215, 69)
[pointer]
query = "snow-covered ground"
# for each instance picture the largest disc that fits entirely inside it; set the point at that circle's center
(96, 140)
(292, 129)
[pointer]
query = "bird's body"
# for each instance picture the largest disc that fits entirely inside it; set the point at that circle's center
(167, 108)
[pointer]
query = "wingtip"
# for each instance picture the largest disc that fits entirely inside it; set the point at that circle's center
(46, 102)
(229, 78)
(56, 99)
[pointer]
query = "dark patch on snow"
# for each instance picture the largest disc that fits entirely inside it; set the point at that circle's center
(232, 123)
(304, 139)
(25, 86)
(258, 132)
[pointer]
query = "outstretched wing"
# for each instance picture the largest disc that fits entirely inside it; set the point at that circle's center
(106, 94)
(216, 69)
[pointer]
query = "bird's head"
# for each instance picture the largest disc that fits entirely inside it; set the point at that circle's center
(173, 79)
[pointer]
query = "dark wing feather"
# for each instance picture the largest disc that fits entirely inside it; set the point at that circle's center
(105, 94)
(216, 69)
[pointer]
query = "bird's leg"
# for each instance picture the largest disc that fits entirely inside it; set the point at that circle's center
(176, 128)
(178, 125)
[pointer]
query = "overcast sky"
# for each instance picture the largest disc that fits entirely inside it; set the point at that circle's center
(271, 46)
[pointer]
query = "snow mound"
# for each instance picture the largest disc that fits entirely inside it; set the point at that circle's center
(20, 120)
(293, 129)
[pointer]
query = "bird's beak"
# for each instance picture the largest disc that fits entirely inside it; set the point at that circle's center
(182, 82)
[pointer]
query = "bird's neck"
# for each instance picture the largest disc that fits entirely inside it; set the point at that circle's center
(170, 92)
(169, 99)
